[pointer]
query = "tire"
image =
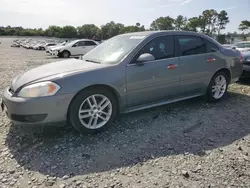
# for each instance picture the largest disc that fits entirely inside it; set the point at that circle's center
(211, 95)
(81, 102)
(65, 54)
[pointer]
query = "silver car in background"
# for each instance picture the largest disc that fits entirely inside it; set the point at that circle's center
(126, 73)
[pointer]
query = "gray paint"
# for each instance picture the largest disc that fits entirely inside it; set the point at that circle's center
(137, 87)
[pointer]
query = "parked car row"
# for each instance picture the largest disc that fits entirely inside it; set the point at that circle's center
(241, 46)
(128, 72)
(35, 44)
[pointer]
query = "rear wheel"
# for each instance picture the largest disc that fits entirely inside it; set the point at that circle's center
(92, 110)
(217, 88)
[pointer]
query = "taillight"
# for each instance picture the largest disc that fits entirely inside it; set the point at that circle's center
(241, 58)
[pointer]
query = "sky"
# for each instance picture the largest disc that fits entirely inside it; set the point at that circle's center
(42, 13)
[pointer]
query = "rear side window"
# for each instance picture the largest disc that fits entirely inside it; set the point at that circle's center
(81, 43)
(190, 45)
(90, 43)
(211, 47)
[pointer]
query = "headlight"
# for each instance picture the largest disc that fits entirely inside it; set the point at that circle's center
(40, 89)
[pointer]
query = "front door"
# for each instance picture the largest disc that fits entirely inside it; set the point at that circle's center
(78, 48)
(156, 80)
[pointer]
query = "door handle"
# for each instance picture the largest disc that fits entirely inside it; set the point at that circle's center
(209, 60)
(172, 66)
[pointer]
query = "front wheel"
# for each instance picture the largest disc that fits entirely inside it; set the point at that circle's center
(217, 88)
(92, 110)
(65, 54)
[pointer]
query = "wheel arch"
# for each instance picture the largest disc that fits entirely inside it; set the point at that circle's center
(66, 50)
(99, 86)
(226, 71)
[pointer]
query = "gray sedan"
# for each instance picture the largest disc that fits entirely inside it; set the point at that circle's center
(126, 73)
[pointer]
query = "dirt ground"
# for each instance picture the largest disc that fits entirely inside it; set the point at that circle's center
(186, 144)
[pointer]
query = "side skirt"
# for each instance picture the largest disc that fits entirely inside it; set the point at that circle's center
(151, 105)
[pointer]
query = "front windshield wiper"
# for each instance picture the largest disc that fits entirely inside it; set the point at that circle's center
(92, 61)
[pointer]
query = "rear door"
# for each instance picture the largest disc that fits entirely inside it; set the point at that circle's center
(89, 45)
(193, 64)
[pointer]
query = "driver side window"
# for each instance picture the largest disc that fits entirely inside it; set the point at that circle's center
(160, 48)
(80, 43)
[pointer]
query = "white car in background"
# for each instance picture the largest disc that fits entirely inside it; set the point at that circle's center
(74, 48)
(49, 44)
(242, 46)
(48, 48)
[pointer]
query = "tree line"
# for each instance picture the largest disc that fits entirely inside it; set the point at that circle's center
(210, 22)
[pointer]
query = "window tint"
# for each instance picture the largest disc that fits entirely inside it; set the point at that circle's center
(90, 43)
(190, 45)
(160, 48)
(211, 47)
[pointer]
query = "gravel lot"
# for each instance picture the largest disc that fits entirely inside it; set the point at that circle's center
(186, 144)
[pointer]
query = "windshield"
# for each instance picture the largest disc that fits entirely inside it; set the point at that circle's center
(113, 50)
(70, 43)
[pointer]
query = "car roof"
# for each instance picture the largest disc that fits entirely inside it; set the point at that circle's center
(83, 40)
(171, 32)
(174, 32)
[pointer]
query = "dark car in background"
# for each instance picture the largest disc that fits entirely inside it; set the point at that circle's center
(246, 64)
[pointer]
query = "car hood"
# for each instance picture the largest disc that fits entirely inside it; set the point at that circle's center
(60, 68)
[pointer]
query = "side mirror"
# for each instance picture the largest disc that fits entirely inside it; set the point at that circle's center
(145, 57)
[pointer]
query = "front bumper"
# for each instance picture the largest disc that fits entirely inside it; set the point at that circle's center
(55, 53)
(36, 110)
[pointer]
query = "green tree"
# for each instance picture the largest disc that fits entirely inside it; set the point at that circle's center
(222, 21)
(194, 24)
(244, 25)
(163, 23)
(209, 20)
(68, 32)
(111, 29)
(180, 22)
(133, 28)
(89, 31)
(53, 31)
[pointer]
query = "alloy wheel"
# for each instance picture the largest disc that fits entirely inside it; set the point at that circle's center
(219, 87)
(95, 111)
